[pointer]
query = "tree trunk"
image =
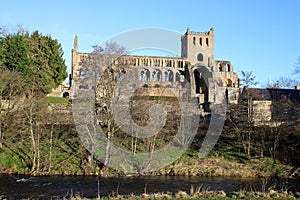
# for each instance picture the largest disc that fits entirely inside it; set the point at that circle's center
(250, 115)
(249, 145)
(34, 152)
(38, 152)
(133, 142)
(107, 150)
(1, 133)
(50, 149)
(33, 142)
(109, 136)
(1, 136)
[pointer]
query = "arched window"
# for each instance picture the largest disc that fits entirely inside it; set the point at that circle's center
(171, 76)
(200, 84)
(82, 73)
(159, 76)
(226, 94)
(177, 77)
(200, 41)
(220, 68)
(66, 94)
(228, 82)
(166, 77)
(194, 40)
(181, 64)
(200, 57)
(147, 75)
(228, 67)
(206, 41)
(154, 76)
(143, 76)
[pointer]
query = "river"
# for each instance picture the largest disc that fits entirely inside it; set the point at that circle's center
(60, 187)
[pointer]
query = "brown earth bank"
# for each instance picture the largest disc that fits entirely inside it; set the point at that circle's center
(198, 193)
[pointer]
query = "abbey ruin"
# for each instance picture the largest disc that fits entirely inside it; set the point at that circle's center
(197, 65)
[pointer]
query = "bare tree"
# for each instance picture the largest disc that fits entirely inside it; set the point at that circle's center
(248, 78)
(4, 31)
(283, 82)
(11, 97)
(110, 48)
(297, 68)
(241, 115)
(99, 72)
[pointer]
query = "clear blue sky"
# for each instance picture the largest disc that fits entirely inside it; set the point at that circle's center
(257, 35)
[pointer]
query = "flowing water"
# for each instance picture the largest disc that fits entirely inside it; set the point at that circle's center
(59, 187)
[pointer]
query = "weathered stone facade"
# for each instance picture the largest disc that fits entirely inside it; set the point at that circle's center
(271, 106)
(208, 77)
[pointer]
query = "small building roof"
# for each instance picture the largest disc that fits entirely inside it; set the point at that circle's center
(272, 94)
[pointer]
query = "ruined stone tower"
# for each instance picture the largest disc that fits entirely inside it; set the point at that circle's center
(197, 47)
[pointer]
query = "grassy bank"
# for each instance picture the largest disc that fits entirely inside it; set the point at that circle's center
(67, 156)
(51, 145)
(224, 164)
(58, 100)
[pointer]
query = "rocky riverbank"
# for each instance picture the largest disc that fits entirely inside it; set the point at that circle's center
(218, 195)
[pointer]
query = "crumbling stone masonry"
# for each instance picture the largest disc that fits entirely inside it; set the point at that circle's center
(208, 77)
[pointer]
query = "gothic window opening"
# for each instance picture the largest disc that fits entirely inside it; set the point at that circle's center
(181, 64)
(166, 77)
(228, 67)
(207, 42)
(159, 75)
(228, 82)
(201, 87)
(171, 76)
(143, 76)
(66, 95)
(82, 74)
(220, 68)
(197, 77)
(154, 76)
(200, 41)
(177, 77)
(226, 95)
(200, 57)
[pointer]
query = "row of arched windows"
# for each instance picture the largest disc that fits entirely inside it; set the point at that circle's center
(225, 68)
(167, 76)
(200, 41)
(160, 63)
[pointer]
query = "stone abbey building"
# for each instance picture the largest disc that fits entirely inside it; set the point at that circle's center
(196, 64)
(211, 81)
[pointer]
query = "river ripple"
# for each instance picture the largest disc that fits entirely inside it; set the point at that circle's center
(60, 187)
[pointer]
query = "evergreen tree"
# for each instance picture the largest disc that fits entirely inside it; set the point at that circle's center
(48, 67)
(14, 53)
(38, 58)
